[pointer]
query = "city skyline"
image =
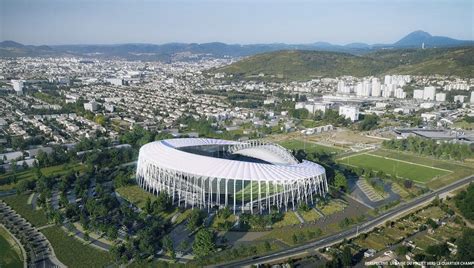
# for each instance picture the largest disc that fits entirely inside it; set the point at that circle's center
(243, 22)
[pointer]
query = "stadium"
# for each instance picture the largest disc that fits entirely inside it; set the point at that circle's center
(249, 176)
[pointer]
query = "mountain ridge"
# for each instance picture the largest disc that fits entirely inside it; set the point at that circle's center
(166, 52)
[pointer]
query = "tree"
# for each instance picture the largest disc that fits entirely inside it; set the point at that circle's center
(369, 122)
(195, 219)
(168, 246)
(203, 243)
(340, 181)
(148, 206)
(86, 236)
(402, 250)
(25, 185)
(346, 256)
(162, 203)
(466, 245)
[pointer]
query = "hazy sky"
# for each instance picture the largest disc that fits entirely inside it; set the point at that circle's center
(230, 21)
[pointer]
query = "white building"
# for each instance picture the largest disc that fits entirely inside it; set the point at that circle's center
(429, 93)
(459, 98)
(114, 81)
(109, 107)
(91, 106)
(441, 97)
(472, 97)
(349, 112)
(418, 94)
(399, 93)
(17, 86)
(376, 87)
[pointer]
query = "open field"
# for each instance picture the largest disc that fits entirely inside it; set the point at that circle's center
(400, 168)
(10, 251)
(136, 195)
(74, 253)
(20, 204)
(30, 174)
(309, 146)
(459, 170)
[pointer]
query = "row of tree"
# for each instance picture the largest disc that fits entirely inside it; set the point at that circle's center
(422, 146)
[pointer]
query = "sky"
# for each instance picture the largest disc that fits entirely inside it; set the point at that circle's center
(53, 22)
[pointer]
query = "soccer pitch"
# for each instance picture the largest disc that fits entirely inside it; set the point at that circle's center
(400, 168)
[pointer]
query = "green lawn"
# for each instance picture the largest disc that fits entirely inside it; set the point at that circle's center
(74, 253)
(310, 147)
(30, 173)
(394, 167)
(136, 195)
(10, 252)
(289, 218)
(20, 204)
(459, 170)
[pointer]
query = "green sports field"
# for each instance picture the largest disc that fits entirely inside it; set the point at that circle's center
(400, 168)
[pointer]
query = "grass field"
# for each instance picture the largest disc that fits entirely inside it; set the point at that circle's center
(459, 170)
(74, 253)
(136, 195)
(30, 174)
(10, 251)
(394, 167)
(289, 218)
(20, 204)
(310, 147)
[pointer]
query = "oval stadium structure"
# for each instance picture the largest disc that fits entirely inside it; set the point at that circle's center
(248, 176)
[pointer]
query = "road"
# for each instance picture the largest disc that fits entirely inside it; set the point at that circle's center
(364, 227)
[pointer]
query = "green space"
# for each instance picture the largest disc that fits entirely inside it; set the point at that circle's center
(219, 223)
(10, 251)
(393, 167)
(183, 216)
(20, 204)
(135, 195)
(331, 207)
(459, 170)
(309, 146)
(74, 253)
(306, 65)
(309, 215)
(30, 174)
(289, 218)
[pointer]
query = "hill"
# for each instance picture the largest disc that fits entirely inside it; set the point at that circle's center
(305, 65)
(193, 51)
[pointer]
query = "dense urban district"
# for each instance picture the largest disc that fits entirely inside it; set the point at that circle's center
(396, 147)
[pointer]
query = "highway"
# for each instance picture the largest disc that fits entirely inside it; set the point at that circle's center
(360, 228)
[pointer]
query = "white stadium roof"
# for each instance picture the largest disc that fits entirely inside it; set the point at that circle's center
(165, 154)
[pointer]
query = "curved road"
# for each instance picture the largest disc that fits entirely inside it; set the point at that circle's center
(365, 227)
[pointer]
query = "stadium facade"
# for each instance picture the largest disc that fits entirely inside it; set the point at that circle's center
(248, 176)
